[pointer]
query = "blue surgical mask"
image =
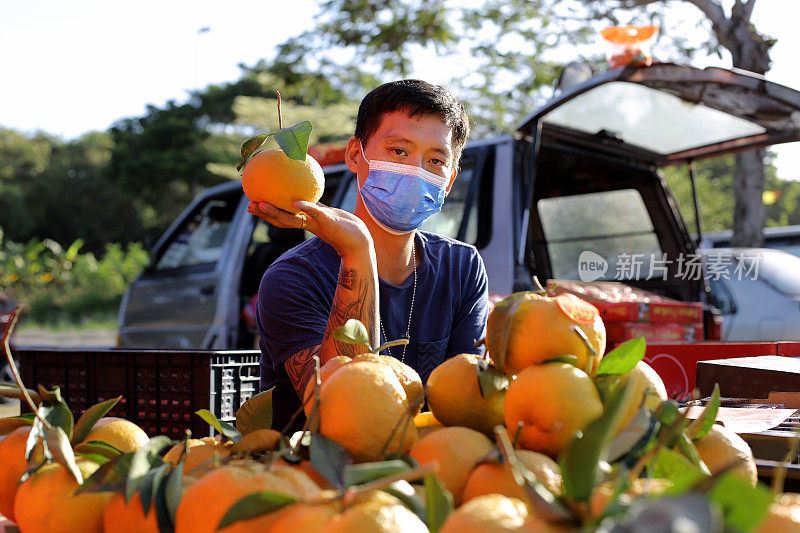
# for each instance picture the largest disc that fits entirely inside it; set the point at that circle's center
(400, 198)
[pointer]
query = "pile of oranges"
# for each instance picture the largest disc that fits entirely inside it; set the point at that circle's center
(488, 455)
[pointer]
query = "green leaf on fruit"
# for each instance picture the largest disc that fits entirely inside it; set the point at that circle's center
(249, 148)
(255, 505)
(329, 458)
(149, 485)
(701, 426)
(172, 490)
(491, 379)
(110, 477)
(58, 443)
(438, 502)
(404, 491)
(7, 425)
(225, 429)
(97, 447)
(55, 411)
(569, 359)
(365, 472)
(294, 140)
(623, 358)
(90, 417)
(743, 505)
(255, 413)
(584, 459)
(352, 332)
(145, 458)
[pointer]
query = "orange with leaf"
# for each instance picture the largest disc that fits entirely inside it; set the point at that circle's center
(282, 176)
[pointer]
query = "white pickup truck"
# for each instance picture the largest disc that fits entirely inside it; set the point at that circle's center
(580, 174)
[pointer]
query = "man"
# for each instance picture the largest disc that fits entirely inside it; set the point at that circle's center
(373, 265)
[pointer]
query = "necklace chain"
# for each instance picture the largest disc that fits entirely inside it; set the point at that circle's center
(410, 311)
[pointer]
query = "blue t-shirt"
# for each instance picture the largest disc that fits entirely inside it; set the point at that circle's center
(296, 295)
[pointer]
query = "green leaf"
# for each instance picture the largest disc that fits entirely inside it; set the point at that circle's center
(227, 430)
(353, 332)
(366, 472)
(583, 460)
(110, 477)
(7, 425)
(671, 465)
(173, 486)
(98, 447)
(623, 358)
(504, 311)
(329, 458)
(56, 412)
(144, 459)
(90, 417)
(255, 413)
(294, 140)
(149, 485)
(58, 443)
(569, 359)
(438, 503)
(491, 379)
(250, 146)
(164, 517)
(633, 436)
(701, 426)
(255, 505)
(404, 491)
(743, 505)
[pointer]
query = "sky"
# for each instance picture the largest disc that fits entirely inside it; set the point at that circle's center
(69, 67)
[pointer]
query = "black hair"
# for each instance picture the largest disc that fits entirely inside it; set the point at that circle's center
(415, 98)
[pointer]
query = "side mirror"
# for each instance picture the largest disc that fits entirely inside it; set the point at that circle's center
(574, 73)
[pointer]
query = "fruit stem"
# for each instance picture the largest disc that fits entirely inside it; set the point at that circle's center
(280, 120)
(12, 365)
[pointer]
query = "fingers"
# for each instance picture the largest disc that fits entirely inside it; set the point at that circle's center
(275, 216)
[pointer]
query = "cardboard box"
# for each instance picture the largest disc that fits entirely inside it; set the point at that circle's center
(617, 332)
(676, 363)
(618, 302)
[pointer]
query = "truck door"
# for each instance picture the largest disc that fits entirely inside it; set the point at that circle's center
(172, 303)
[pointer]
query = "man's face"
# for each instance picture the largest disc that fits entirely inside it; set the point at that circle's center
(422, 141)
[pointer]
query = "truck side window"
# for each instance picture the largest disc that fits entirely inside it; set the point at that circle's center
(612, 224)
(201, 238)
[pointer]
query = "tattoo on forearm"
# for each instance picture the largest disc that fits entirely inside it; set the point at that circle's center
(357, 301)
(300, 367)
(346, 278)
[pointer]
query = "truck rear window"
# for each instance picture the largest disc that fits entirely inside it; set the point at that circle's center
(611, 224)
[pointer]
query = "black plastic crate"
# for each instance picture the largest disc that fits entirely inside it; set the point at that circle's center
(161, 389)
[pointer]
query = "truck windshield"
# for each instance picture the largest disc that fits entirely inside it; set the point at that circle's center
(649, 118)
(610, 224)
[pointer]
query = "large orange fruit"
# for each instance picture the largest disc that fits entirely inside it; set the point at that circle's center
(12, 459)
(454, 450)
(272, 176)
(207, 500)
(364, 407)
(553, 401)
(118, 432)
(541, 329)
(121, 517)
(455, 399)
(45, 502)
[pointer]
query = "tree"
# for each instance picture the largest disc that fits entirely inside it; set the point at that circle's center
(513, 42)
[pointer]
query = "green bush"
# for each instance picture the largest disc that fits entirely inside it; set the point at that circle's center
(58, 285)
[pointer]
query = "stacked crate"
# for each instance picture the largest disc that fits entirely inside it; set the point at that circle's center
(630, 312)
